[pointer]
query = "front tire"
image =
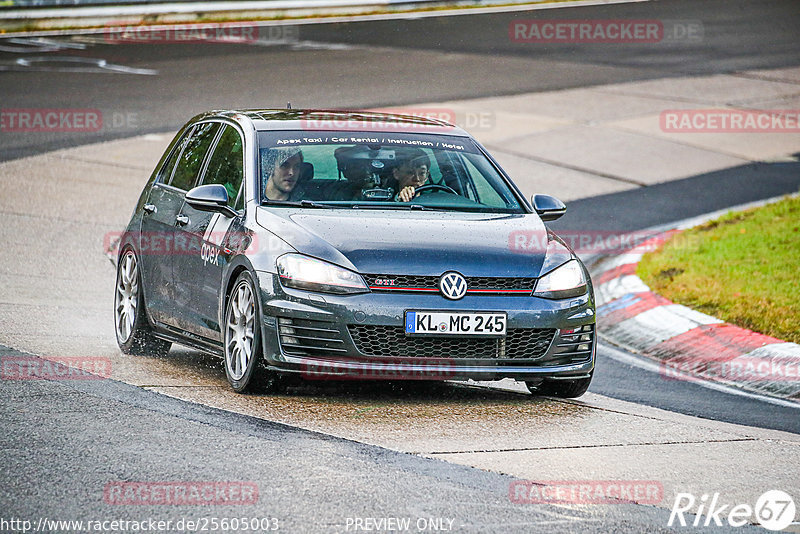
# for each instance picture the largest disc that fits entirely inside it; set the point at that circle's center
(565, 389)
(243, 365)
(134, 334)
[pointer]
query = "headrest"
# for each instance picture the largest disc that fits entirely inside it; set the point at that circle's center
(306, 172)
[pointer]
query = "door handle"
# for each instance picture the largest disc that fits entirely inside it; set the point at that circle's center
(182, 219)
(150, 208)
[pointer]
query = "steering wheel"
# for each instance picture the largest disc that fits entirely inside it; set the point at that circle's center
(434, 187)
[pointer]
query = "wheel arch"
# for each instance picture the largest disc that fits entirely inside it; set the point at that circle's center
(239, 265)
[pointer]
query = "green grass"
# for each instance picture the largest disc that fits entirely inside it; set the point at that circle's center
(743, 268)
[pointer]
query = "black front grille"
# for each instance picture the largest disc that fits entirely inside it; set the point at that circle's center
(393, 281)
(391, 341)
(303, 337)
(493, 282)
(482, 284)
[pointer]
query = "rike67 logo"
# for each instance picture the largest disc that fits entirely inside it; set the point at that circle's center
(774, 510)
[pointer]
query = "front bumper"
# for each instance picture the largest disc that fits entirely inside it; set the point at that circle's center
(322, 336)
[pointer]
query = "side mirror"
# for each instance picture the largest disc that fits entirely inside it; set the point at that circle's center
(211, 197)
(549, 208)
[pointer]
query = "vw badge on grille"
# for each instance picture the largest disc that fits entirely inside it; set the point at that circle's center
(453, 285)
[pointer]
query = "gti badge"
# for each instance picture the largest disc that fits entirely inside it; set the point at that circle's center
(452, 285)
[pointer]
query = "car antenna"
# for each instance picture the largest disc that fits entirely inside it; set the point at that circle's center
(288, 105)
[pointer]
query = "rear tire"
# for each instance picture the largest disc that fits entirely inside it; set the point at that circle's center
(565, 389)
(134, 334)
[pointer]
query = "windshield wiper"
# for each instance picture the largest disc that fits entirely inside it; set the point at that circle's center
(390, 206)
(298, 204)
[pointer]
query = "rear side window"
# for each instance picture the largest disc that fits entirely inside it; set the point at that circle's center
(166, 171)
(191, 160)
(226, 166)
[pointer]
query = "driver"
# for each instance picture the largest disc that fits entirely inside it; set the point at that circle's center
(411, 173)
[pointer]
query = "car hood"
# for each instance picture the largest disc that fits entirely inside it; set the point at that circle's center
(415, 243)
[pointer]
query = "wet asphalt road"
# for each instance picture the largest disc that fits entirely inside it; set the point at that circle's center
(63, 442)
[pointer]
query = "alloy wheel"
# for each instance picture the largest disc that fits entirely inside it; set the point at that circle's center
(127, 296)
(239, 331)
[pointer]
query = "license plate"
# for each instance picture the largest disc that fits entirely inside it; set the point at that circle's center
(455, 324)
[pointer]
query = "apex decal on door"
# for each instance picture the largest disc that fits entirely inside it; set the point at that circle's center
(213, 238)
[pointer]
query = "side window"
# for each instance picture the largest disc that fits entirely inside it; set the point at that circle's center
(455, 173)
(486, 183)
(486, 193)
(191, 160)
(434, 171)
(166, 170)
(226, 166)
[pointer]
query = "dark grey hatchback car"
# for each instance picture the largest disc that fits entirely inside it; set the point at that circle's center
(351, 245)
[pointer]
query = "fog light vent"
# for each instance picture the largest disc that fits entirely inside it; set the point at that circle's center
(576, 342)
(305, 337)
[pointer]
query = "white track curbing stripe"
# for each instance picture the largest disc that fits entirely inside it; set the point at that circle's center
(777, 350)
(658, 324)
(619, 287)
(780, 354)
(781, 376)
(612, 262)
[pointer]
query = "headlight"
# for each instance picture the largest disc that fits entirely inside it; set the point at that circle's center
(562, 282)
(303, 272)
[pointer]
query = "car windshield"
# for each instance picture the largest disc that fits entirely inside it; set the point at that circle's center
(380, 170)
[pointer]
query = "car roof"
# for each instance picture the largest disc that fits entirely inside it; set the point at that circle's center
(339, 120)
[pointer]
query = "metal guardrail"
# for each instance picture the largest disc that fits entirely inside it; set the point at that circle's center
(297, 4)
(53, 15)
(11, 4)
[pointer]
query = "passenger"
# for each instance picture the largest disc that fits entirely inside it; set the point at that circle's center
(280, 169)
(410, 174)
(357, 174)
